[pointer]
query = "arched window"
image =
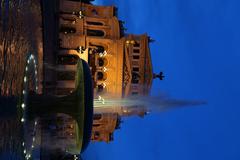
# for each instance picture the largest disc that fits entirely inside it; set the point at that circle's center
(100, 76)
(102, 62)
(97, 33)
(67, 30)
(96, 48)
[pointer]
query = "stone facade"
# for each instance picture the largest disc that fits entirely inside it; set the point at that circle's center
(120, 63)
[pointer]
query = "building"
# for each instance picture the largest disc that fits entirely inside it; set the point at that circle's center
(120, 63)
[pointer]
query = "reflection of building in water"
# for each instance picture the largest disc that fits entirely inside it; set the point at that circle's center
(60, 129)
(120, 63)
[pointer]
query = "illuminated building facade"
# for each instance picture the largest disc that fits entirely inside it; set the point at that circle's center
(120, 63)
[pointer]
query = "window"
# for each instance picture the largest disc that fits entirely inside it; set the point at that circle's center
(97, 48)
(136, 57)
(136, 50)
(100, 76)
(136, 45)
(135, 69)
(96, 125)
(97, 33)
(95, 23)
(102, 62)
(97, 116)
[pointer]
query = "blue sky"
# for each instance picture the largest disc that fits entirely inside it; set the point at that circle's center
(198, 47)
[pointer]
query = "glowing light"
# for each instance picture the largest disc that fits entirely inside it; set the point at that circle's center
(23, 144)
(25, 79)
(22, 120)
(80, 14)
(132, 42)
(104, 85)
(103, 101)
(100, 55)
(24, 151)
(105, 53)
(28, 156)
(24, 92)
(32, 146)
(26, 69)
(75, 157)
(104, 69)
(99, 98)
(23, 105)
(35, 123)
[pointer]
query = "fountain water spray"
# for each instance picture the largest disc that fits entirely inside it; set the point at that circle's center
(149, 102)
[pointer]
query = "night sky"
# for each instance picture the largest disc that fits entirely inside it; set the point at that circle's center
(198, 47)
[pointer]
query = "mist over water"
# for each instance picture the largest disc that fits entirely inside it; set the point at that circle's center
(153, 103)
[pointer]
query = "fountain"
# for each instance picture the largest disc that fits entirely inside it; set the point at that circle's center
(31, 106)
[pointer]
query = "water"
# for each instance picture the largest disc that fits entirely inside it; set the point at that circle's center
(156, 104)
